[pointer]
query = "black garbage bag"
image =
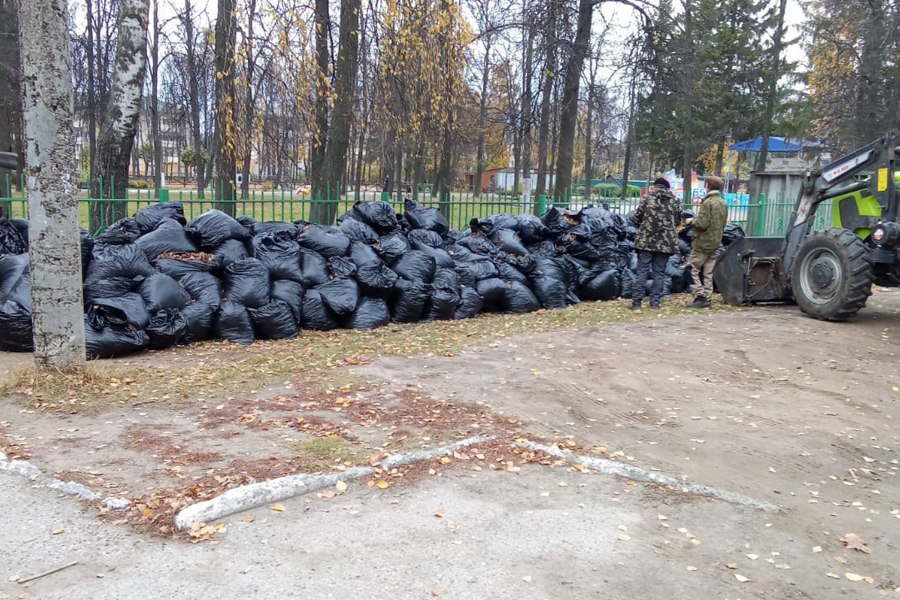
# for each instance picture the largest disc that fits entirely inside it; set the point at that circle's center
(409, 302)
(461, 253)
(597, 218)
(474, 271)
(149, 217)
(291, 293)
(555, 222)
(605, 285)
(493, 223)
(441, 257)
(425, 237)
(199, 319)
(230, 251)
(392, 247)
(15, 327)
(161, 292)
(166, 328)
(247, 282)
(127, 309)
(315, 268)
(316, 314)
(340, 266)
(477, 244)
(371, 313)
(123, 231)
(274, 321)
(11, 241)
(203, 287)
(582, 250)
(248, 223)
(115, 270)
(340, 295)
(273, 227)
(520, 298)
(470, 303)
(444, 296)
(508, 272)
(415, 266)
(22, 226)
(233, 323)
(178, 266)
(110, 341)
(493, 294)
(626, 277)
(358, 231)
(87, 247)
(684, 248)
(13, 270)
(327, 241)
(363, 254)
(679, 274)
(531, 229)
(376, 279)
(550, 292)
(377, 214)
(731, 234)
(213, 227)
(168, 237)
(425, 218)
(280, 253)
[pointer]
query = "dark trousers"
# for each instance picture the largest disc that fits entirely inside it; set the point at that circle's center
(647, 262)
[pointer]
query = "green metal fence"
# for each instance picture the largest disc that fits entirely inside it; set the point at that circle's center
(763, 217)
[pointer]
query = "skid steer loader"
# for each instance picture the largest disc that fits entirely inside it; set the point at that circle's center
(828, 273)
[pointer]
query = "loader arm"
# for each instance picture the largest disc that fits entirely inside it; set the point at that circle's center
(881, 153)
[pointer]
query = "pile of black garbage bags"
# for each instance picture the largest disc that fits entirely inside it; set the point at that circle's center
(155, 280)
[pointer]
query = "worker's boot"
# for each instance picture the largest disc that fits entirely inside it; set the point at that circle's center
(700, 302)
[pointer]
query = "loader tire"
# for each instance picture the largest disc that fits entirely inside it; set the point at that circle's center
(831, 276)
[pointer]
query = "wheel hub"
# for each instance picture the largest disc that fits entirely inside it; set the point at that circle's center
(822, 275)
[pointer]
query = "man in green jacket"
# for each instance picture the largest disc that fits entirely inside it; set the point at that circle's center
(708, 227)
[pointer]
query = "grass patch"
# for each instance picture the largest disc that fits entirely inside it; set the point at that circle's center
(314, 361)
(322, 453)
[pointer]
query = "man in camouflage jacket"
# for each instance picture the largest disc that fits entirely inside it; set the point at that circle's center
(657, 217)
(708, 227)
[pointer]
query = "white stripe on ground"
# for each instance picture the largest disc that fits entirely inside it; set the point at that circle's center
(264, 492)
(27, 470)
(612, 467)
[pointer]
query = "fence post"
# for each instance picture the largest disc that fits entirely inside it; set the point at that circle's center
(761, 215)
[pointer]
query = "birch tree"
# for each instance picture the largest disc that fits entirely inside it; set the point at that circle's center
(55, 262)
(110, 176)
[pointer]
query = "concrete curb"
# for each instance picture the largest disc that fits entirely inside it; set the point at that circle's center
(27, 470)
(250, 496)
(612, 467)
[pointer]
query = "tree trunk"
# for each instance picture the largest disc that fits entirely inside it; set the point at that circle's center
(249, 104)
(568, 118)
(55, 260)
(629, 135)
(772, 87)
(482, 114)
(687, 159)
(92, 91)
(194, 100)
(225, 161)
(549, 78)
(526, 105)
(342, 115)
(320, 133)
(154, 103)
(120, 122)
(588, 138)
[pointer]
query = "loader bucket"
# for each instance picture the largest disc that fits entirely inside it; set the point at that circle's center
(750, 272)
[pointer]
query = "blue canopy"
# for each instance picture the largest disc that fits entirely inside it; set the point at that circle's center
(776, 144)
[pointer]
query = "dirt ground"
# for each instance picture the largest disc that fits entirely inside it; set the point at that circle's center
(766, 403)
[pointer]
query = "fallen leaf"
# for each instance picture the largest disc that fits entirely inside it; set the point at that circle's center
(341, 487)
(563, 484)
(623, 537)
(741, 578)
(278, 508)
(692, 568)
(527, 579)
(439, 513)
(853, 577)
(833, 575)
(816, 549)
(854, 542)
(753, 556)
(436, 592)
(248, 519)
(58, 531)
(381, 484)
(731, 565)
(662, 517)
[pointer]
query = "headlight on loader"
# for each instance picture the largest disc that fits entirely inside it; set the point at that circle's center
(886, 235)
